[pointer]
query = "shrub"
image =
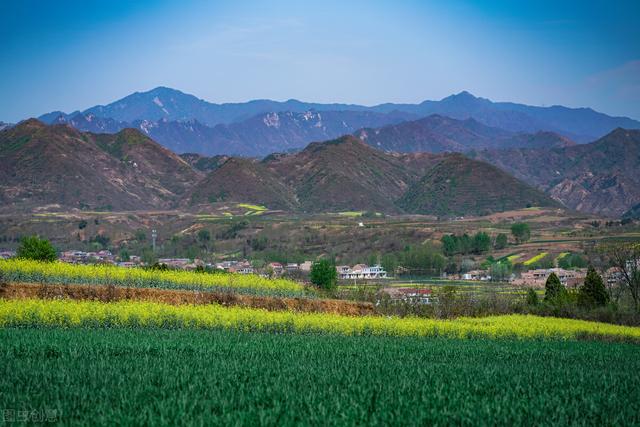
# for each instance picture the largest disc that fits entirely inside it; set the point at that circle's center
(36, 249)
(532, 297)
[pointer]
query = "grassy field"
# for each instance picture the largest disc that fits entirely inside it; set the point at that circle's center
(168, 377)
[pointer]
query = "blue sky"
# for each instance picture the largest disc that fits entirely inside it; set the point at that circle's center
(68, 55)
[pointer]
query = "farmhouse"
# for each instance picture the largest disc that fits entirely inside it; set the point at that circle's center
(276, 267)
(361, 271)
(476, 275)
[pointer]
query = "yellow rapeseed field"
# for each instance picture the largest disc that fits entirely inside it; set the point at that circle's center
(36, 312)
(63, 273)
(536, 258)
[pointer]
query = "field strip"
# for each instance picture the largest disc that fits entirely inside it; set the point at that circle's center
(70, 313)
(17, 270)
(181, 297)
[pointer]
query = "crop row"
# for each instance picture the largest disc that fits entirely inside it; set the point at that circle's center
(19, 270)
(36, 312)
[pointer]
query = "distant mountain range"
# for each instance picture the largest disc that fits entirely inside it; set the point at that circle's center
(185, 123)
(57, 165)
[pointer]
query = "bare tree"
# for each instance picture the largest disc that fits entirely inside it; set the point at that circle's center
(625, 258)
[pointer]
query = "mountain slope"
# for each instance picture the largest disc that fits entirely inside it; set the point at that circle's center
(437, 133)
(601, 177)
(242, 181)
(458, 186)
(342, 175)
(42, 165)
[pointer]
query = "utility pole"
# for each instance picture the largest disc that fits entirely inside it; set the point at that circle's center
(154, 235)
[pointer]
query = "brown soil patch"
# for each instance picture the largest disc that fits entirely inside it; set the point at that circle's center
(177, 297)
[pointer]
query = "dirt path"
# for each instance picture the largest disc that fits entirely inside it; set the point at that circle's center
(179, 297)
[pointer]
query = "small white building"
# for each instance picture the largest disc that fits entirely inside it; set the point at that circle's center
(362, 271)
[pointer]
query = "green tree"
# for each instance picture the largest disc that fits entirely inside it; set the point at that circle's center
(82, 224)
(532, 297)
(500, 271)
(449, 245)
(38, 249)
(141, 235)
(521, 232)
(481, 242)
(124, 255)
(389, 263)
(592, 293)
(324, 274)
(501, 241)
(204, 236)
(572, 261)
(553, 289)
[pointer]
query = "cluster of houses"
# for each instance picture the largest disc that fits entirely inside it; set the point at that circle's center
(533, 278)
(7, 254)
(82, 257)
(361, 271)
(410, 295)
(538, 277)
(279, 269)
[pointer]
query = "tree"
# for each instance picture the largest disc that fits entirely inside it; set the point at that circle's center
(572, 261)
(501, 241)
(82, 224)
(553, 289)
(38, 249)
(521, 232)
(124, 255)
(625, 258)
(389, 263)
(449, 245)
(481, 242)
(204, 236)
(592, 293)
(500, 271)
(141, 235)
(532, 297)
(324, 274)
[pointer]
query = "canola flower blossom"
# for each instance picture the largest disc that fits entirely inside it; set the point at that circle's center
(21, 270)
(73, 313)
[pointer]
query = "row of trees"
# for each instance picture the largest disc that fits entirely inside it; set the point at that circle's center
(592, 293)
(419, 259)
(481, 242)
(465, 244)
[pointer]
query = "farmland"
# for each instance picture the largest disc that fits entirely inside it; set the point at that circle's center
(107, 345)
(69, 313)
(18, 270)
(156, 376)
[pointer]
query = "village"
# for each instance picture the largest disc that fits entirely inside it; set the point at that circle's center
(358, 273)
